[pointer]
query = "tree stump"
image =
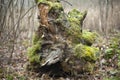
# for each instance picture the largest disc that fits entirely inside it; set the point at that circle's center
(58, 41)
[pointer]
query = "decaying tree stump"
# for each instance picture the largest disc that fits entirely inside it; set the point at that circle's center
(59, 46)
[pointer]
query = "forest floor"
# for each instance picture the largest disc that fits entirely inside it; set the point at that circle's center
(15, 68)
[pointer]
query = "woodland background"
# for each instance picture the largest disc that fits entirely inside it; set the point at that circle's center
(18, 21)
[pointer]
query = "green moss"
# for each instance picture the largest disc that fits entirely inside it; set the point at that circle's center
(89, 37)
(10, 77)
(87, 56)
(115, 44)
(112, 78)
(35, 39)
(1, 72)
(75, 18)
(75, 15)
(54, 4)
(46, 0)
(85, 52)
(89, 67)
(114, 47)
(32, 53)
